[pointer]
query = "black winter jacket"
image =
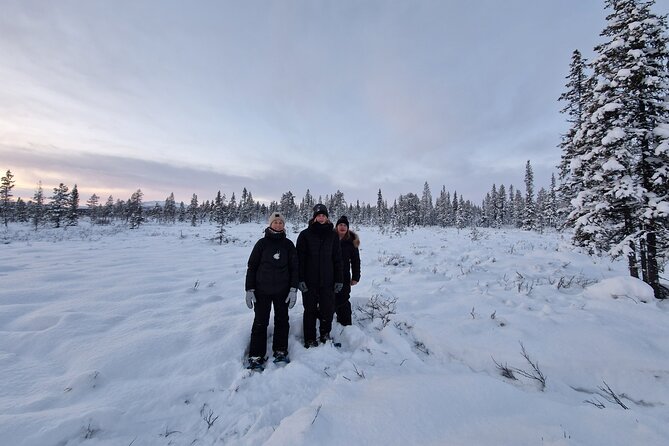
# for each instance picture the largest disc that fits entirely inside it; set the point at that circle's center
(320, 256)
(272, 267)
(350, 256)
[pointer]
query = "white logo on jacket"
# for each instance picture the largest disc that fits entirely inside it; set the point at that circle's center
(277, 256)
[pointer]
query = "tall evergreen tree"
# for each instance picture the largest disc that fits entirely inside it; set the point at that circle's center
(576, 97)
(192, 210)
(93, 204)
(621, 206)
(73, 207)
(529, 211)
(134, 209)
(6, 186)
(58, 207)
(170, 209)
(37, 209)
(426, 207)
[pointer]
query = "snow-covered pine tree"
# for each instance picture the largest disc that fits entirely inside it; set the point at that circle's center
(382, 213)
(519, 206)
(6, 186)
(287, 206)
(192, 210)
(93, 204)
(108, 210)
(37, 209)
(529, 211)
(541, 207)
(579, 92)
(337, 206)
(552, 209)
(622, 205)
(59, 204)
(134, 209)
(73, 207)
(426, 208)
(170, 209)
(21, 211)
(181, 213)
(500, 206)
(461, 214)
(441, 207)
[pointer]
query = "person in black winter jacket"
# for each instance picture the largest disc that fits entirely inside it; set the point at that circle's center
(320, 275)
(271, 279)
(350, 256)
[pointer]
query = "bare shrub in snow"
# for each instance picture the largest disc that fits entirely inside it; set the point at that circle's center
(610, 395)
(378, 307)
(505, 370)
(535, 374)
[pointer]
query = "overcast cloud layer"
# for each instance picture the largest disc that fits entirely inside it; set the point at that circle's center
(196, 97)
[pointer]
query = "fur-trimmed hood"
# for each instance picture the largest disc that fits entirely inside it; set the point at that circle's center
(353, 237)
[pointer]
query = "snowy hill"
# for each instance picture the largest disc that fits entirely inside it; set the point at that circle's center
(119, 337)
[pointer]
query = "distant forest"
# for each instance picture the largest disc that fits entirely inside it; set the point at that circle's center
(63, 207)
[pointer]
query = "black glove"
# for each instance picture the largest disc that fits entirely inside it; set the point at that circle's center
(302, 286)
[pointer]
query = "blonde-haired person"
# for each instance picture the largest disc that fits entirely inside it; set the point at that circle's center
(320, 275)
(271, 280)
(350, 256)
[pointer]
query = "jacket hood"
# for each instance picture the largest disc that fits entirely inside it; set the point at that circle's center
(353, 237)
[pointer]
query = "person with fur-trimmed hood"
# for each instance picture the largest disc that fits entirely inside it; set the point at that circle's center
(320, 275)
(271, 280)
(350, 256)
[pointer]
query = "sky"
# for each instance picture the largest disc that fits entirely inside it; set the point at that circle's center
(276, 96)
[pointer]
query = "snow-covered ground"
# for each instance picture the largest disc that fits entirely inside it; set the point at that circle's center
(117, 337)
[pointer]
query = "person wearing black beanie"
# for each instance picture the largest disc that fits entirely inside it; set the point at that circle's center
(320, 275)
(350, 256)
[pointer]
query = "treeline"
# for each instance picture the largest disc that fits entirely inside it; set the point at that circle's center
(62, 208)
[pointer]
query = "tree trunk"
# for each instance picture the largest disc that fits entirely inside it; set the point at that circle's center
(631, 261)
(653, 271)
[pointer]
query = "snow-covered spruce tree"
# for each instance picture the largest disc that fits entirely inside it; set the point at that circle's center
(73, 207)
(59, 205)
(529, 211)
(621, 207)
(134, 210)
(6, 186)
(579, 92)
(192, 210)
(441, 208)
(500, 207)
(552, 215)
(170, 209)
(21, 211)
(246, 210)
(37, 210)
(382, 213)
(426, 208)
(287, 206)
(647, 84)
(93, 204)
(181, 213)
(519, 206)
(108, 210)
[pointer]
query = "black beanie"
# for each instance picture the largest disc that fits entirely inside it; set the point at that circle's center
(320, 209)
(343, 219)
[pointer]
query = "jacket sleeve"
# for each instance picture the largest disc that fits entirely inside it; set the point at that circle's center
(302, 250)
(336, 259)
(355, 264)
(293, 265)
(253, 264)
